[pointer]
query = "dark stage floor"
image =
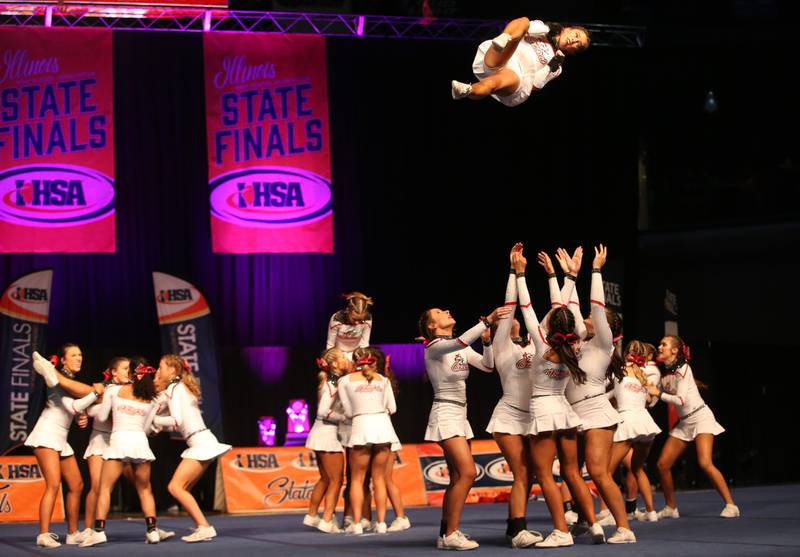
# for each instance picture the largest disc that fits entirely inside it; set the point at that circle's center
(770, 525)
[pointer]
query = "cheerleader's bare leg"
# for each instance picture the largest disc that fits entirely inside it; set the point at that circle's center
(513, 449)
(515, 29)
(631, 483)
(73, 387)
(503, 82)
(544, 449)
(50, 464)
(95, 465)
(598, 454)
(571, 472)
(670, 453)
(186, 475)
(395, 497)
(705, 445)
(461, 467)
(380, 456)
(333, 463)
(321, 487)
(638, 458)
(359, 462)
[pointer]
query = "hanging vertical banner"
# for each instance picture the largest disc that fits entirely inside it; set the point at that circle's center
(269, 163)
(185, 320)
(24, 312)
(56, 140)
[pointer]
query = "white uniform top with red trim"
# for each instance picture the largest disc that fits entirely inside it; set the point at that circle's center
(366, 397)
(447, 362)
(60, 407)
(534, 60)
(594, 355)
(680, 390)
(653, 375)
(184, 411)
(330, 407)
(546, 377)
(348, 337)
(126, 414)
(512, 361)
(630, 394)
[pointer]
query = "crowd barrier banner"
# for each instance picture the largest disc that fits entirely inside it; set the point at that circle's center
(21, 488)
(56, 140)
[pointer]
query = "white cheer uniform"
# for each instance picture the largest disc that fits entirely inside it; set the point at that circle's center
(638, 426)
(589, 399)
(131, 423)
(549, 408)
(185, 418)
(100, 436)
(680, 390)
(653, 375)
(347, 337)
(447, 362)
(52, 427)
(323, 435)
(529, 62)
(368, 404)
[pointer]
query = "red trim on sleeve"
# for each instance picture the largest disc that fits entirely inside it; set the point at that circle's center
(525, 305)
(510, 303)
(574, 303)
(559, 304)
(431, 343)
(461, 342)
(542, 336)
(598, 302)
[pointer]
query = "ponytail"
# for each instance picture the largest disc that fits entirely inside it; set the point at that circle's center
(562, 339)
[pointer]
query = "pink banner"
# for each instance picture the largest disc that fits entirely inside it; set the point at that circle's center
(56, 140)
(269, 163)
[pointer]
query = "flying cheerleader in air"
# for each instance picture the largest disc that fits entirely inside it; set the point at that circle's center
(521, 60)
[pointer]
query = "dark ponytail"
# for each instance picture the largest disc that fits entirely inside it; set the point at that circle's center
(424, 321)
(616, 367)
(561, 337)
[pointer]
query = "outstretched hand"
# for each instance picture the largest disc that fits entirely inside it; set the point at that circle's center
(502, 312)
(519, 262)
(563, 259)
(600, 255)
(544, 261)
(577, 259)
(517, 248)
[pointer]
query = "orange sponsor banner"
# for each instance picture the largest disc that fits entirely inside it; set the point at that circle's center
(21, 487)
(282, 478)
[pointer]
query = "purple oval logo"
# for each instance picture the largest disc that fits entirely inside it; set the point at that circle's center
(55, 195)
(271, 197)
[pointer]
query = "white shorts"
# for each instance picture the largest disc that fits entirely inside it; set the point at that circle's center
(552, 413)
(638, 426)
(204, 446)
(507, 418)
(702, 421)
(514, 64)
(99, 441)
(596, 413)
(50, 434)
(129, 446)
(324, 437)
(447, 420)
(372, 429)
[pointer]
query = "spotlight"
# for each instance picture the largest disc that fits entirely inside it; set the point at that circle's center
(266, 431)
(297, 425)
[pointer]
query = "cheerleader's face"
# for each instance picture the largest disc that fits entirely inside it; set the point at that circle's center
(667, 353)
(572, 40)
(440, 319)
(122, 373)
(164, 374)
(73, 359)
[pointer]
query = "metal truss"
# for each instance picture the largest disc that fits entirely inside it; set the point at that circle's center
(332, 25)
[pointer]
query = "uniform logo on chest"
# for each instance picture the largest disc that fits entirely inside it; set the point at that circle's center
(459, 364)
(525, 362)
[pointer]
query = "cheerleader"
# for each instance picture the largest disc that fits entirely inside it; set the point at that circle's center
(368, 399)
(401, 521)
(323, 440)
(55, 457)
(447, 361)
(637, 431)
(553, 428)
(132, 408)
(181, 392)
(350, 328)
(510, 68)
(697, 424)
(511, 418)
(598, 358)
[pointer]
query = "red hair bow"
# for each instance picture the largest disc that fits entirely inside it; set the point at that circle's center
(142, 370)
(637, 359)
(687, 353)
(53, 359)
(185, 365)
(559, 339)
(366, 360)
(322, 364)
(106, 375)
(388, 366)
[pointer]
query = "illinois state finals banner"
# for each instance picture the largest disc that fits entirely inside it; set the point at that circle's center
(56, 140)
(269, 171)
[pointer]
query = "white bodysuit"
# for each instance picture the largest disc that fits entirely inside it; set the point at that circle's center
(368, 404)
(348, 337)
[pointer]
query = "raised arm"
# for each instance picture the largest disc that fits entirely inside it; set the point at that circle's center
(388, 397)
(528, 314)
(502, 336)
(602, 331)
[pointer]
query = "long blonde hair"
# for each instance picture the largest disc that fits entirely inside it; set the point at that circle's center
(183, 371)
(328, 362)
(636, 351)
